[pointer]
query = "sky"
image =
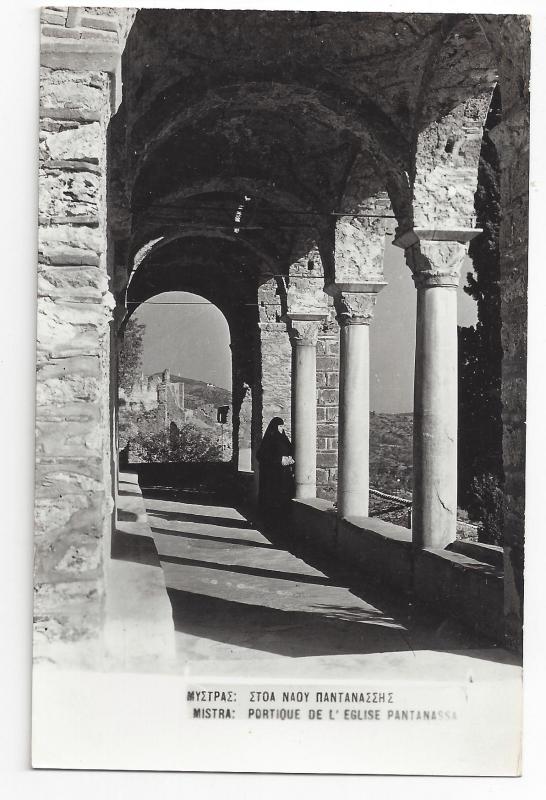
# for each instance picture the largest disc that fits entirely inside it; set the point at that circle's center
(190, 336)
(187, 334)
(392, 333)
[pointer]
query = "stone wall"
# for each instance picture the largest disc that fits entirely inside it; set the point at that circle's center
(74, 497)
(446, 166)
(276, 368)
(305, 285)
(170, 404)
(273, 359)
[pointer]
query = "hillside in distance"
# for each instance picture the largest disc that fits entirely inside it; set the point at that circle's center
(198, 394)
(391, 455)
(391, 452)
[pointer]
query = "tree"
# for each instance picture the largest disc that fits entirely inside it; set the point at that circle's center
(480, 356)
(486, 507)
(130, 357)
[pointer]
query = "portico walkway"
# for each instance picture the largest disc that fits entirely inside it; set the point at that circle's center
(243, 605)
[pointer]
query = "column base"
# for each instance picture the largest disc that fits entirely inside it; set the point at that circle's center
(306, 491)
(352, 504)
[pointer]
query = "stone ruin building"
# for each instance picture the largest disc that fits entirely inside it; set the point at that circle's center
(158, 393)
(166, 398)
(268, 177)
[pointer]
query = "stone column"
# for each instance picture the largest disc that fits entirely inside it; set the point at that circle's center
(435, 258)
(354, 313)
(304, 335)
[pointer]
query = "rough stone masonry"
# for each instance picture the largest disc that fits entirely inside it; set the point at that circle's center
(73, 482)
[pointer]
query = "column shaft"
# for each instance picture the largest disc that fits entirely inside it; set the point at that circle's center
(304, 423)
(435, 257)
(435, 418)
(354, 424)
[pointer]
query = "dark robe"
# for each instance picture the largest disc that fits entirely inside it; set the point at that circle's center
(276, 487)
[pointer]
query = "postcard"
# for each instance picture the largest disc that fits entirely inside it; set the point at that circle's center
(281, 391)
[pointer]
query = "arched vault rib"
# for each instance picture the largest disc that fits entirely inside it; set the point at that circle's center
(151, 249)
(223, 262)
(290, 105)
(270, 232)
(343, 53)
(203, 267)
(238, 186)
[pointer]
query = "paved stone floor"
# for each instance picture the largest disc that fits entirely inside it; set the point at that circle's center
(245, 605)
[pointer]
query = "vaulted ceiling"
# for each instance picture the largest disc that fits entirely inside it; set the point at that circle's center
(258, 118)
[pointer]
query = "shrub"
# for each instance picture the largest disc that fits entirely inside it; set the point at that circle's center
(486, 506)
(190, 444)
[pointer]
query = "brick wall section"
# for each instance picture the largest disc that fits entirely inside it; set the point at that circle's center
(73, 497)
(276, 372)
(327, 410)
(274, 361)
(276, 352)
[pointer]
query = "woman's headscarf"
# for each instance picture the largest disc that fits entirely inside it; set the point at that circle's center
(273, 440)
(273, 427)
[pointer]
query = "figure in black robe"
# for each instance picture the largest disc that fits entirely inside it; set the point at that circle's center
(276, 486)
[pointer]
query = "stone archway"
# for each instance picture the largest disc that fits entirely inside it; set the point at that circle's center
(380, 98)
(185, 376)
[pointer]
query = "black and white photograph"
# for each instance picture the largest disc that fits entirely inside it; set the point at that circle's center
(281, 390)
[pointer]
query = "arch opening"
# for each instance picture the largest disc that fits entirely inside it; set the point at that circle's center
(175, 383)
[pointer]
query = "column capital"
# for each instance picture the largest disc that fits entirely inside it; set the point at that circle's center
(304, 329)
(354, 302)
(435, 255)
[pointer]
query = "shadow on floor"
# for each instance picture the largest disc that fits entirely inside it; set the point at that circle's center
(426, 628)
(396, 622)
(246, 570)
(224, 522)
(328, 631)
(192, 496)
(208, 538)
(296, 634)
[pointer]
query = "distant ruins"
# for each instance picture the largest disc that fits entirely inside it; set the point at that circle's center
(166, 398)
(157, 392)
